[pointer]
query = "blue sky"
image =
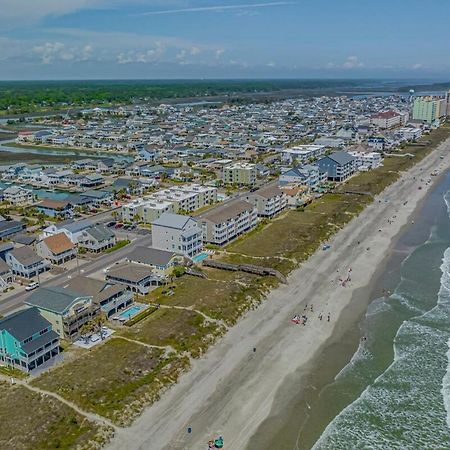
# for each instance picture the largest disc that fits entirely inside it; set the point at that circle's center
(72, 39)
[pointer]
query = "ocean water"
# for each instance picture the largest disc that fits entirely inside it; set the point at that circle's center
(395, 391)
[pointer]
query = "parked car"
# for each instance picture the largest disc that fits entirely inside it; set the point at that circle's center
(111, 224)
(32, 286)
(119, 225)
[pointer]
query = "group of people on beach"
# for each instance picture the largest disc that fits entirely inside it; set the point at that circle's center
(301, 319)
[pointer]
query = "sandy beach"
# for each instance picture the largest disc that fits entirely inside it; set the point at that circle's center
(232, 389)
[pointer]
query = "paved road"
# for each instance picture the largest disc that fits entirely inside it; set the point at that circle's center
(15, 302)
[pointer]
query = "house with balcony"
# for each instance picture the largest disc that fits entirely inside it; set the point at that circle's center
(55, 208)
(18, 196)
(96, 239)
(72, 228)
(111, 297)
(6, 275)
(65, 309)
(27, 340)
(136, 277)
(178, 234)
(339, 166)
(57, 249)
(25, 262)
(228, 221)
(269, 200)
(10, 227)
(162, 262)
(308, 174)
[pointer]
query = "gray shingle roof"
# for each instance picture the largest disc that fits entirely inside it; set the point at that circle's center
(226, 212)
(10, 225)
(100, 233)
(150, 256)
(171, 220)
(26, 256)
(74, 226)
(130, 272)
(23, 324)
(341, 157)
(53, 298)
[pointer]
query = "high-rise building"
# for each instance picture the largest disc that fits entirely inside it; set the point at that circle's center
(429, 108)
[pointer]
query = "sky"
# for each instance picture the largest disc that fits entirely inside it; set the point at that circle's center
(182, 39)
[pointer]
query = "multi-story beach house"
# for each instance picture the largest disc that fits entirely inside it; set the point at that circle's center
(65, 309)
(339, 166)
(27, 340)
(17, 195)
(57, 249)
(24, 262)
(177, 233)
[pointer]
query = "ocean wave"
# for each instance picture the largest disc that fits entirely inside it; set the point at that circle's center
(408, 405)
(445, 391)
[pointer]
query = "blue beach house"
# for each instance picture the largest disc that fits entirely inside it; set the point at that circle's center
(27, 340)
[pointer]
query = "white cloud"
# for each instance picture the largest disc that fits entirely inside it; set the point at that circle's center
(142, 57)
(219, 52)
(351, 62)
(217, 8)
(57, 51)
(417, 66)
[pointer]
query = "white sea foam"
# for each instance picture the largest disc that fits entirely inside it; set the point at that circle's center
(446, 387)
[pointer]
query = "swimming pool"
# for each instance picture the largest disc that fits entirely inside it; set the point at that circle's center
(130, 312)
(200, 257)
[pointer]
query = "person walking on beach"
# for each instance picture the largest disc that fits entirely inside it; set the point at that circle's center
(311, 308)
(328, 318)
(320, 316)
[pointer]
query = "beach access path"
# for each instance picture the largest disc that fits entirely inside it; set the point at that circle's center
(230, 391)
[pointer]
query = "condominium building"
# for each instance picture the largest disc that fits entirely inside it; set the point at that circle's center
(269, 200)
(178, 234)
(226, 222)
(146, 210)
(180, 198)
(429, 108)
(302, 153)
(240, 173)
(386, 120)
(366, 160)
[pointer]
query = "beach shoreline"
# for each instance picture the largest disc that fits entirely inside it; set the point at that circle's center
(335, 354)
(231, 390)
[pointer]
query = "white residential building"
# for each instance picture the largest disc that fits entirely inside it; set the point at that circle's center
(240, 173)
(180, 198)
(226, 222)
(410, 134)
(302, 153)
(17, 195)
(364, 161)
(178, 234)
(269, 200)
